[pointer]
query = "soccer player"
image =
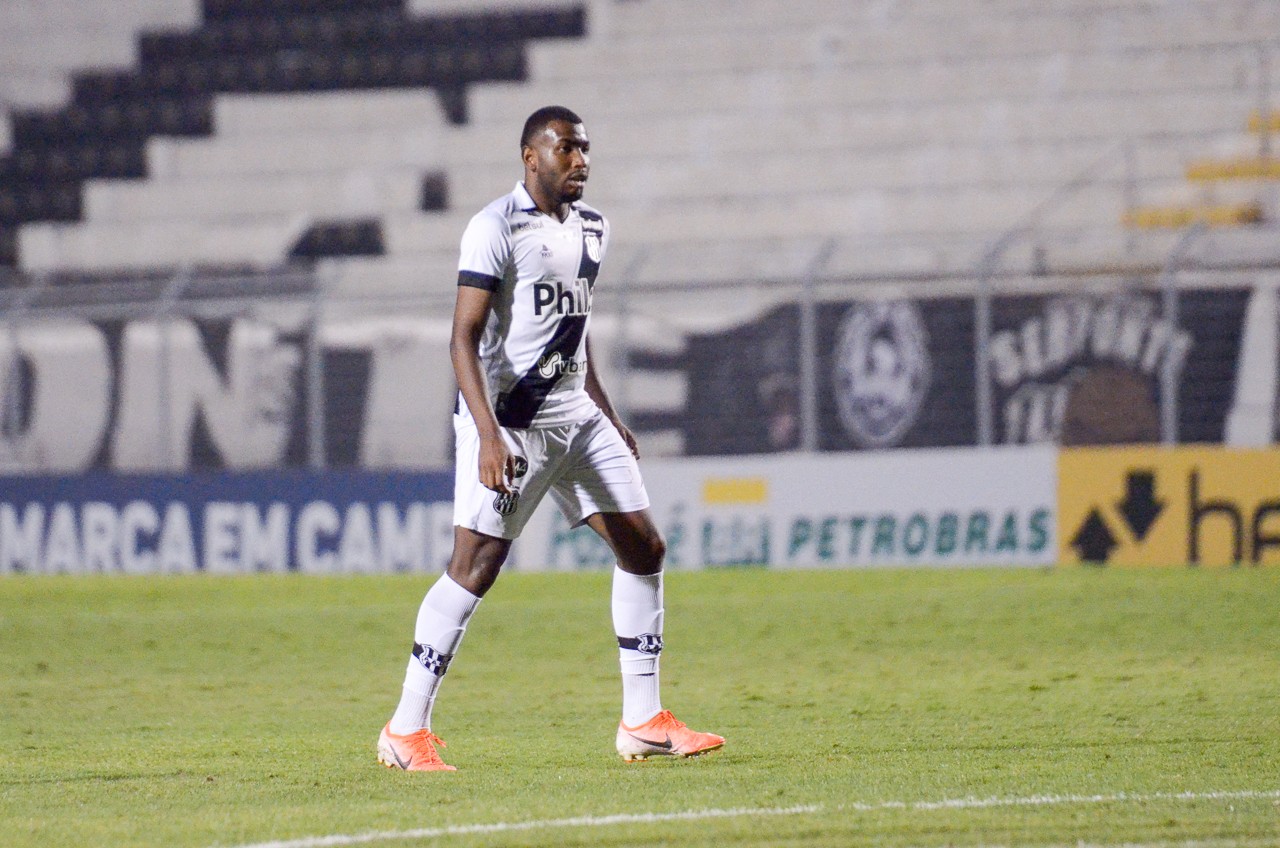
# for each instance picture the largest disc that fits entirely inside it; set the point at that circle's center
(533, 419)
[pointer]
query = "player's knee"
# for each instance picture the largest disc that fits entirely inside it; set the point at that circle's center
(475, 564)
(476, 575)
(657, 548)
(651, 551)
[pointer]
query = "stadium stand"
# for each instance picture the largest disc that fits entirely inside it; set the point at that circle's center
(1225, 190)
(240, 47)
(912, 133)
(743, 151)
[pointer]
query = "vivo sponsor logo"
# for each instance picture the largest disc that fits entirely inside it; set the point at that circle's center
(554, 365)
(222, 536)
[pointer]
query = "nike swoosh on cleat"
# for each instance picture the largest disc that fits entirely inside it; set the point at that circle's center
(664, 745)
(401, 762)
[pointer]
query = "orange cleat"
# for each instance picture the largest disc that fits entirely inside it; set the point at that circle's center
(411, 752)
(664, 736)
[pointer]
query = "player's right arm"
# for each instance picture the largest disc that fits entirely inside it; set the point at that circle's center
(470, 314)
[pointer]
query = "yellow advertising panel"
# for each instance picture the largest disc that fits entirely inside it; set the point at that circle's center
(1151, 506)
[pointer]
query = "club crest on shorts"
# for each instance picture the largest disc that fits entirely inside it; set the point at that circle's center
(505, 504)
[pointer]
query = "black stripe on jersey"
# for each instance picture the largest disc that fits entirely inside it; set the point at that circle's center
(519, 406)
(478, 280)
(592, 230)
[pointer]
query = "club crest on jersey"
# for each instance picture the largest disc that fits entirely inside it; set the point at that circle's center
(558, 299)
(592, 241)
(505, 503)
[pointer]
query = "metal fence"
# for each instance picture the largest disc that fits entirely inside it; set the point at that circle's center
(261, 371)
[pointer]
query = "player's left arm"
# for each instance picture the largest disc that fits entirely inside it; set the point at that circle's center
(596, 391)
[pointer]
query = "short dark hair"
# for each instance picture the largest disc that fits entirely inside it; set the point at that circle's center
(538, 121)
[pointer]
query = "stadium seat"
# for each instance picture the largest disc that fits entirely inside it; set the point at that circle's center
(258, 47)
(339, 238)
(916, 132)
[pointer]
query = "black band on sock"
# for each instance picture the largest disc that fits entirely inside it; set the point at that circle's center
(431, 659)
(645, 643)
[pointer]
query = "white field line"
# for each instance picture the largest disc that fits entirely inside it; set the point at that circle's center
(1185, 843)
(510, 827)
(339, 840)
(1052, 800)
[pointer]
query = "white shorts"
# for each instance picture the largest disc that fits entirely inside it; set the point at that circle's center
(586, 466)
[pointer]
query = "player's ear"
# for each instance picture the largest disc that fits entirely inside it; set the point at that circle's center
(530, 157)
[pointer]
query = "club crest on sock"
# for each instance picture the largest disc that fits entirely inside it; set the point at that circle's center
(645, 643)
(431, 659)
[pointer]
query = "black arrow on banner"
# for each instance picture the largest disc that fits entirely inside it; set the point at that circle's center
(1093, 540)
(1140, 507)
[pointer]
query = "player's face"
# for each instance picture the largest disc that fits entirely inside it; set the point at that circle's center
(559, 161)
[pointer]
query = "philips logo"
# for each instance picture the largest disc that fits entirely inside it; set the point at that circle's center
(559, 300)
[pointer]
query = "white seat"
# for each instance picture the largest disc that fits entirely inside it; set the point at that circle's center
(98, 246)
(45, 41)
(352, 193)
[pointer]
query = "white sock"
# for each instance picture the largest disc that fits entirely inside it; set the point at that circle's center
(637, 621)
(442, 619)
(640, 701)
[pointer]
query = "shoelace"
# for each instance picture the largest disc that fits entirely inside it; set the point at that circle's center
(666, 721)
(423, 743)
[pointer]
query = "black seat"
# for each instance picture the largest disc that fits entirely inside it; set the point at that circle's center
(254, 46)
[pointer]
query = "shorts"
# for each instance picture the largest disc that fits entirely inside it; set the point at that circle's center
(586, 467)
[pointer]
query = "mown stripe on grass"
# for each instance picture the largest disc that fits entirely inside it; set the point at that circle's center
(337, 840)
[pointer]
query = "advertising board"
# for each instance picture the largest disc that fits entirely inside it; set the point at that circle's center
(329, 523)
(941, 507)
(1150, 506)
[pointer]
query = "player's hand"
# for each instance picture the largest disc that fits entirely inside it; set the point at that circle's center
(628, 437)
(497, 465)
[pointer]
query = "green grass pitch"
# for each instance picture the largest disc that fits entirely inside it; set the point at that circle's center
(894, 707)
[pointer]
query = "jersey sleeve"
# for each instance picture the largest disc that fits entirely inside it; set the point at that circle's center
(486, 248)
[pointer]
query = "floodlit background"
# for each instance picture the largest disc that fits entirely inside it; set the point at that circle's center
(953, 286)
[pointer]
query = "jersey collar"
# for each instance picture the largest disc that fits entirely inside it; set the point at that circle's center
(525, 201)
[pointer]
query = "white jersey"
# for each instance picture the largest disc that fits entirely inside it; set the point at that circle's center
(541, 272)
